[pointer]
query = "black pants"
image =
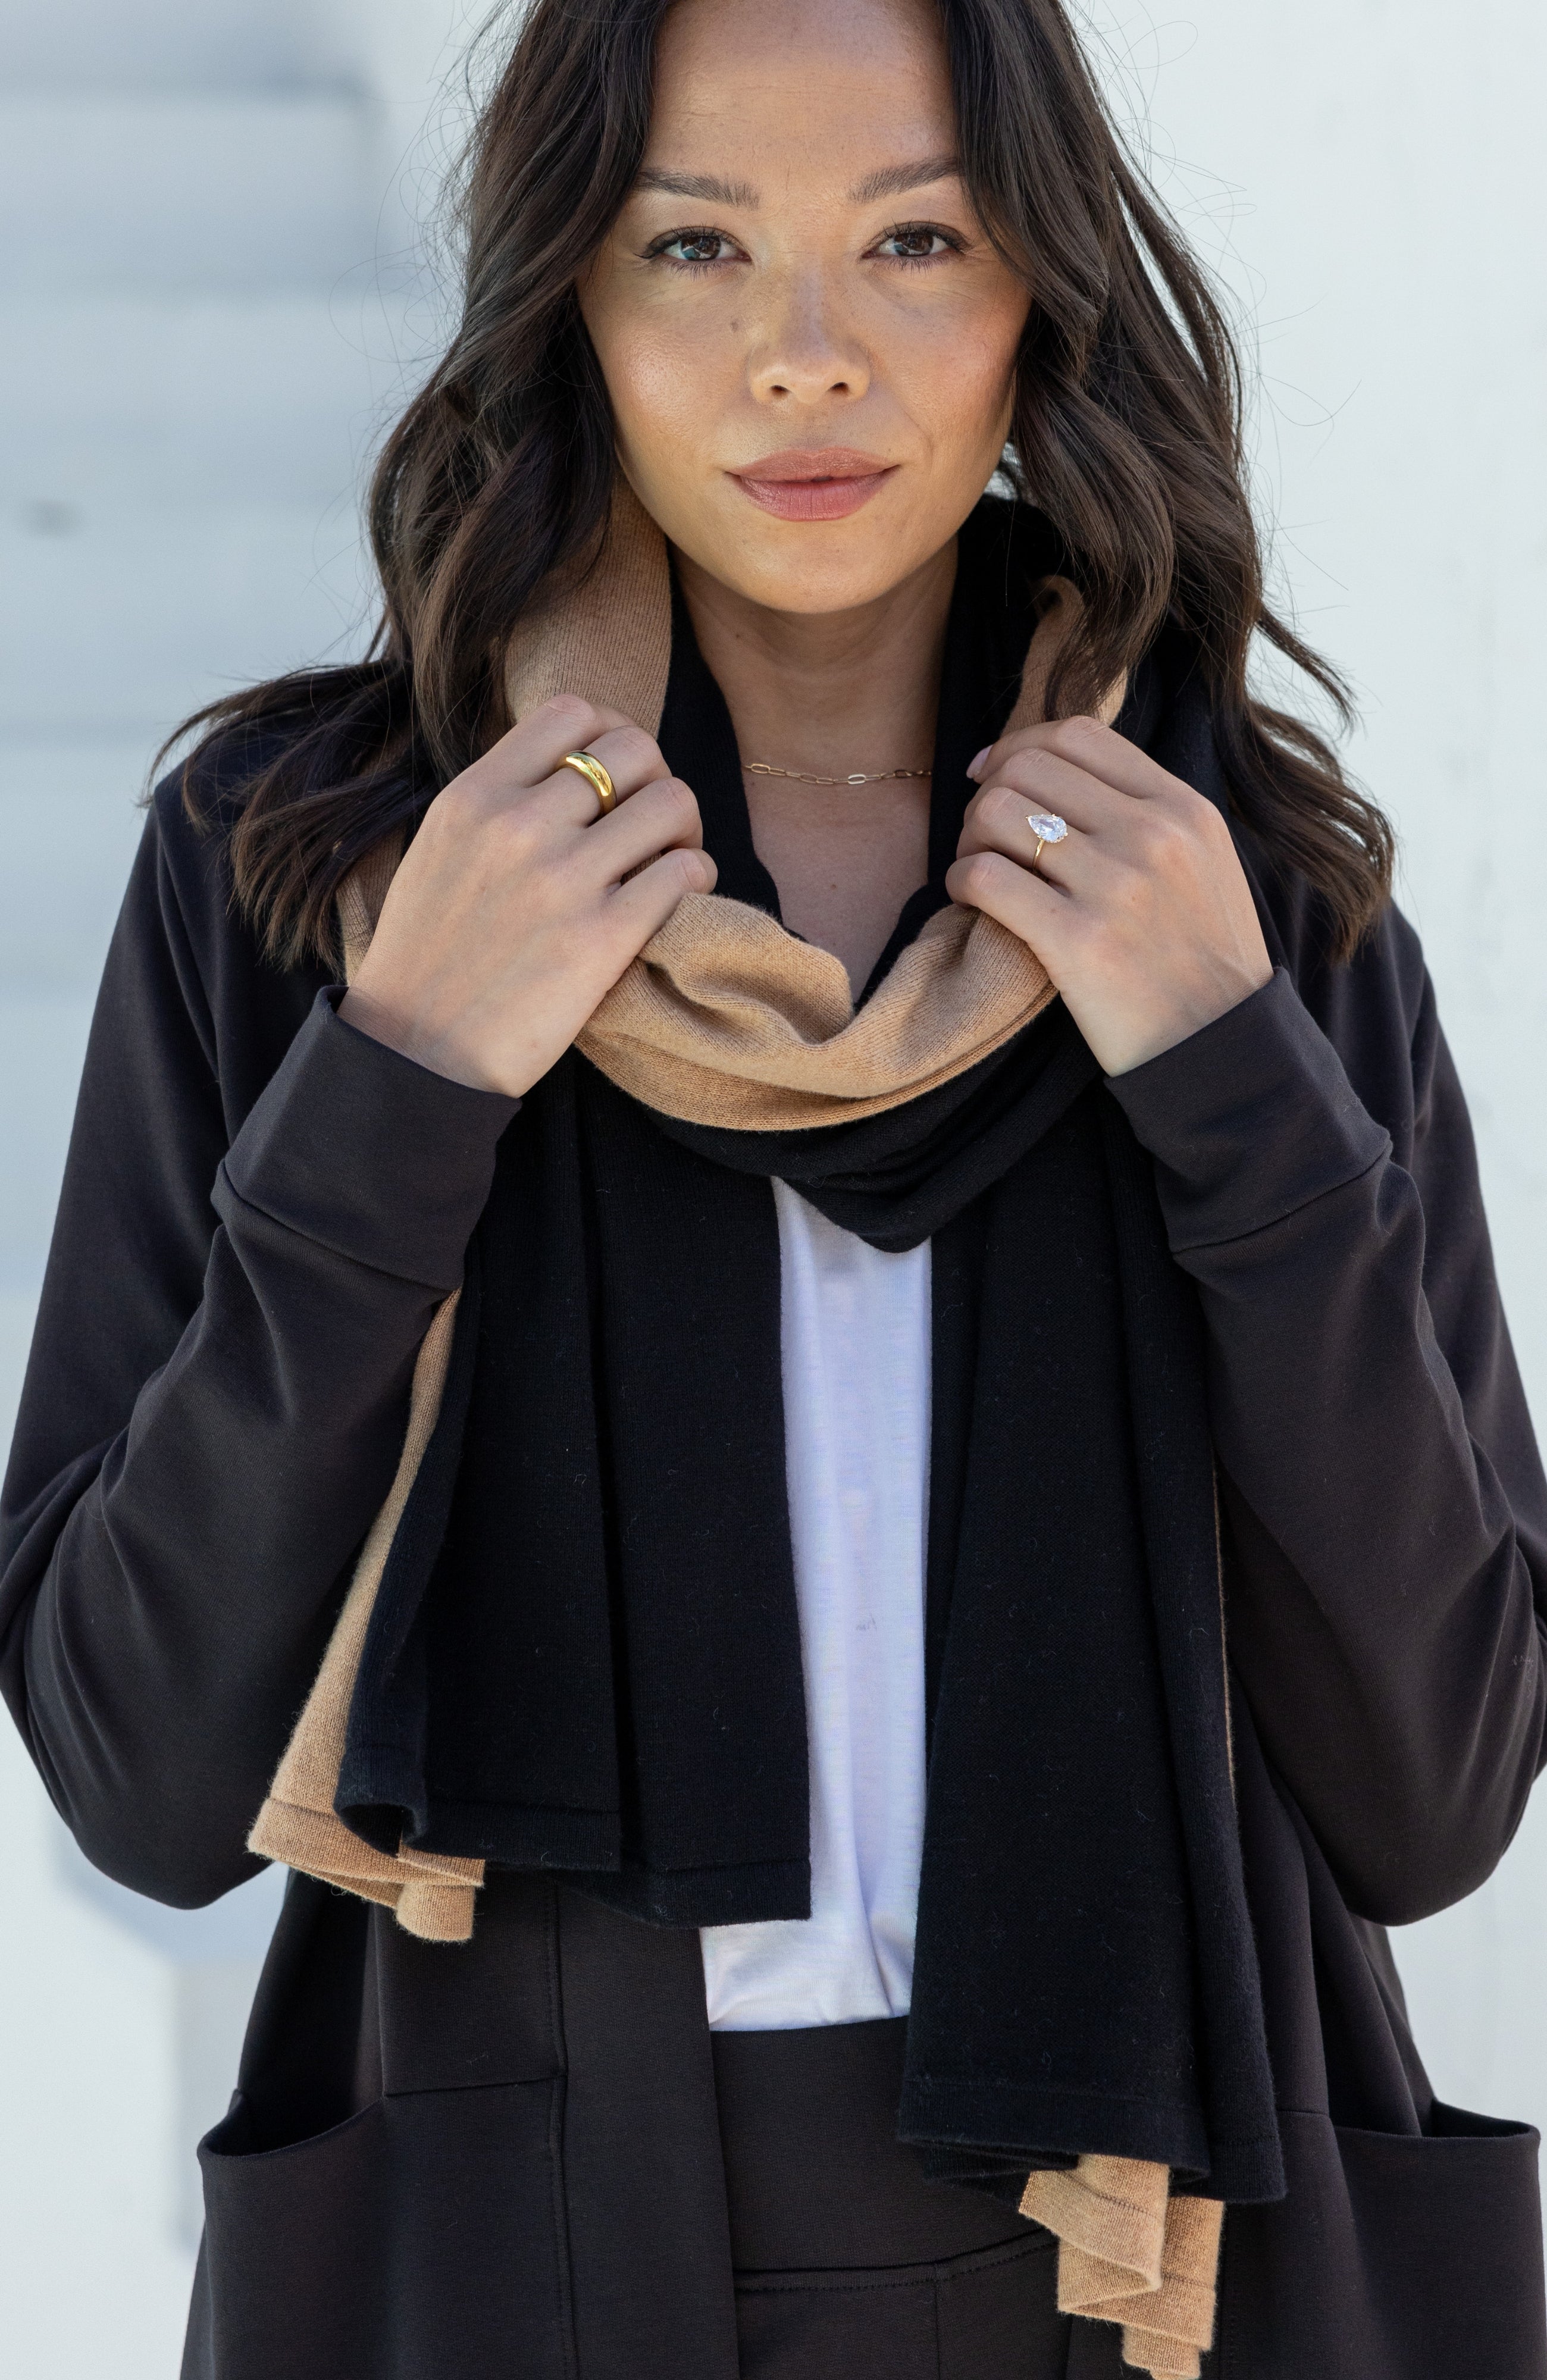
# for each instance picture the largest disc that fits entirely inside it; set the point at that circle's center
(849, 2266)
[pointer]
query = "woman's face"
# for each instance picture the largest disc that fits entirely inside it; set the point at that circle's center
(807, 340)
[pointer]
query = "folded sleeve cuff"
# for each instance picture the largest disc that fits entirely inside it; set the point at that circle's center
(1248, 1120)
(360, 1149)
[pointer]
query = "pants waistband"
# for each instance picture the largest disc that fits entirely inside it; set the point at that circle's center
(815, 2175)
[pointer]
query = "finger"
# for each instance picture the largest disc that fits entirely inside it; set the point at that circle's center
(1037, 913)
(1047, 781)
(533, 749)
(1085, 744)
(1004, 825)
(660, 817)
(997, 819)
(646, 900)
(631, 759)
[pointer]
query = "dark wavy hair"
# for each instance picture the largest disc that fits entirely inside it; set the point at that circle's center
(1126, 432)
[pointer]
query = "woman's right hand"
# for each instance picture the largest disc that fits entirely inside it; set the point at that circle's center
(509, 918)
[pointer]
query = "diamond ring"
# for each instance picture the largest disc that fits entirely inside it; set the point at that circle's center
(1048, 827)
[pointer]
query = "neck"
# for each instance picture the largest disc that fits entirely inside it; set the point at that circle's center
(830, 696)
(829, 693)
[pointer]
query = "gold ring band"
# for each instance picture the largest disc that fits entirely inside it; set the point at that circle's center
(595, 776)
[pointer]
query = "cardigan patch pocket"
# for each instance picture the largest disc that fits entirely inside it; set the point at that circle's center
(345, 2256)
(1395, 2256)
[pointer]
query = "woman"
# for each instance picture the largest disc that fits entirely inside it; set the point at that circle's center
(839, 1465)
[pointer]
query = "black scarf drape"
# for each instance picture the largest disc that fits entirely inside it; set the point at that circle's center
(585, 1655)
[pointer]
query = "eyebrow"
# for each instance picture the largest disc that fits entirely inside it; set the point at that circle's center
(697, 186)
(888, 182)
(892, 180)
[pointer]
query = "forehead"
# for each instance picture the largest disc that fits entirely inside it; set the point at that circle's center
(758, 88)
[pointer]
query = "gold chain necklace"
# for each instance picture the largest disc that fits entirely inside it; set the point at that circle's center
(801, 777)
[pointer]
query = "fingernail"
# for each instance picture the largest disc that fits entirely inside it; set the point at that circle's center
(973, 766)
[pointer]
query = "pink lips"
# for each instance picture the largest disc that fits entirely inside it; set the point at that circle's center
(813, 483)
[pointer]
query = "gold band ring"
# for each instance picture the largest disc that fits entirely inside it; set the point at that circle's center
(595, 776)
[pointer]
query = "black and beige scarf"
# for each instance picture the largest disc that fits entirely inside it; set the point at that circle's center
(572, 1641)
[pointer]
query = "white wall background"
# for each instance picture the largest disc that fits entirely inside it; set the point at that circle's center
(208, 306)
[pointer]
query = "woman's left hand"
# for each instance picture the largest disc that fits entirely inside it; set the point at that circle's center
(1141, 915)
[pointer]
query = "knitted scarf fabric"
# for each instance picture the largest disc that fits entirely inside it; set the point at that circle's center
(572, 1640)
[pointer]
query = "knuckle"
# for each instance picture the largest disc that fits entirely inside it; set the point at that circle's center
(676, 801)
(978, 873)
(1205, 821)
(564, 708)
(466, 796)
(634, 748)
(1085, 742)
(447, 813)
(1042, 766)
(1067, 738)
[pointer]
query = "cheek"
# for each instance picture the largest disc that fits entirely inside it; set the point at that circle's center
(657, 377)
(665, 372)
(958, 378)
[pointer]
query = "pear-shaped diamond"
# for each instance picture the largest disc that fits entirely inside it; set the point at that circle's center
(1048, 825)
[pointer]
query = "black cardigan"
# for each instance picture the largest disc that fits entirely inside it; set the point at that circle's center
(217, 1394)
(262, 1207)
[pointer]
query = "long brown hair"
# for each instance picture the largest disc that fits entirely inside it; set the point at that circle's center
(1126, 432)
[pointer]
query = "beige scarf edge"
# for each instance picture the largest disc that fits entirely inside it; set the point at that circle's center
(1129, 2252)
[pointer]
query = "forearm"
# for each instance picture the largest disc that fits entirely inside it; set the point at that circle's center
(182, 1607)
(1382, 1597)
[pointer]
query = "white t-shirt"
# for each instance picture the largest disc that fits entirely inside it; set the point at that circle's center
(855, 1336)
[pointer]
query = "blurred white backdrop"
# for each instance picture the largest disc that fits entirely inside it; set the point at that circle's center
(209, 306)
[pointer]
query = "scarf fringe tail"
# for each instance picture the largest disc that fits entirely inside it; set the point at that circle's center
(1131, 2254)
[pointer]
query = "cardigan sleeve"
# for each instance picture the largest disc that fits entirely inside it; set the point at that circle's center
(1386, 1505)
(241, 1271)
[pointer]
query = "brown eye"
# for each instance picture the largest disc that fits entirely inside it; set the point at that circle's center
(913, 243)
(694, 247)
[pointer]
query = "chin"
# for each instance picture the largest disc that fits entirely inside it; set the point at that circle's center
(808, 569)
(816, 593)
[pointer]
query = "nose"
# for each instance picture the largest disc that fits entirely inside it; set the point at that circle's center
(803, 355)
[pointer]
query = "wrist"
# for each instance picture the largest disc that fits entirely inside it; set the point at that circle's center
(1136, 1043)
(380, 1021)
